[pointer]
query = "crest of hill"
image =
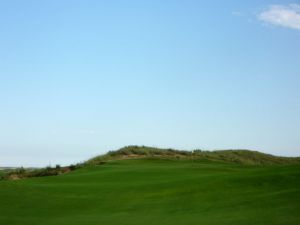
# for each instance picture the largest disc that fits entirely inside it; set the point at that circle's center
(240, 156)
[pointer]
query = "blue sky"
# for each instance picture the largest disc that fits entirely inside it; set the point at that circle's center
(78, 78)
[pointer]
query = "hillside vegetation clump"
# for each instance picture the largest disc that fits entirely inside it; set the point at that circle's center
(21, 173)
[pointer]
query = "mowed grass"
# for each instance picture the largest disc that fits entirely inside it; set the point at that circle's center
(156, 192)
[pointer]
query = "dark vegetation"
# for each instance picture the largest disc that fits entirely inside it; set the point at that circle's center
(242, 157)
(21, 173)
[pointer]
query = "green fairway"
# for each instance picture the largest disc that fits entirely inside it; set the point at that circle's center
(156, 192)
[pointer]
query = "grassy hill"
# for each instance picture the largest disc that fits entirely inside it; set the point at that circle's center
(160, 187)
(245, 157)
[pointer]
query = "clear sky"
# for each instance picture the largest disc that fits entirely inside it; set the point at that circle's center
(79, 78)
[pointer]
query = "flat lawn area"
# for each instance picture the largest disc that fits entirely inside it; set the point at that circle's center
(156, 192)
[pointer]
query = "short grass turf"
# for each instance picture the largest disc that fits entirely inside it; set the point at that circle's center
(156, 192)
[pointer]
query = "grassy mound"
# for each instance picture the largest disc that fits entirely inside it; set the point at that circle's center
(245, 157)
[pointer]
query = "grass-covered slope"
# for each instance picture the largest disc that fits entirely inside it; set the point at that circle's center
(155, 191)
(245, 157)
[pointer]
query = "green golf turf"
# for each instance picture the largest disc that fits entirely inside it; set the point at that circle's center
(156, 192)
